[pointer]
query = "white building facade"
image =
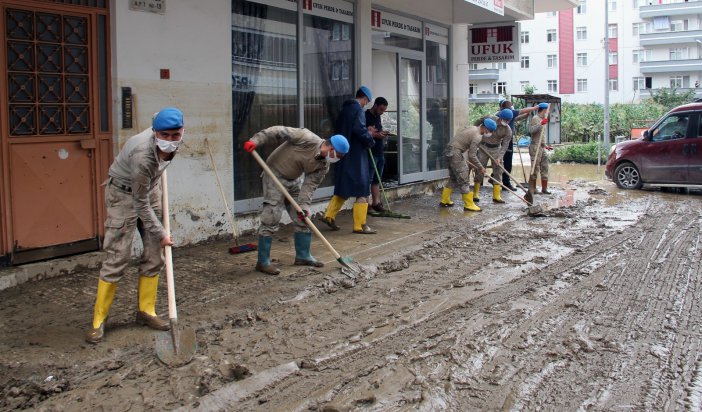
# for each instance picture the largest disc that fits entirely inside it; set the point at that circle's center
(653, 44)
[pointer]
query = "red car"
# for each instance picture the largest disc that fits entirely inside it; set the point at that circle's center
(668, 154)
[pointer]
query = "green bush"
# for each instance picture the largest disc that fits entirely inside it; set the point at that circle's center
(579, 153)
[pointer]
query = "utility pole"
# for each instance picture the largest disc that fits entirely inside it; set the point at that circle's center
(606, 83)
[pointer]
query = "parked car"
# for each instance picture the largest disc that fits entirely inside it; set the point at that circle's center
(668, 154)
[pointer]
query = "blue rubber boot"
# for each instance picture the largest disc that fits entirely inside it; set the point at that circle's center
(303, 257)
(264, 264)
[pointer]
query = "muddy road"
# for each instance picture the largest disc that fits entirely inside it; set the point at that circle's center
(595, 306)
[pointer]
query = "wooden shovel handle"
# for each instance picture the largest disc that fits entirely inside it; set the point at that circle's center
(292, 201)
(172, 311)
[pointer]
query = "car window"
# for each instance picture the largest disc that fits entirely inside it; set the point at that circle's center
(699, 129)
(673, 127)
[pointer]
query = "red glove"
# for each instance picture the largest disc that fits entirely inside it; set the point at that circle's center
(549, 147)
(544, 121)
(249, 146)
(303, 215)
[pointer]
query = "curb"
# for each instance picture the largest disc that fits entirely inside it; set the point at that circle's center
(17, 275)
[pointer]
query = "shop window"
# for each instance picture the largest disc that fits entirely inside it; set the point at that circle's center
(437, 95)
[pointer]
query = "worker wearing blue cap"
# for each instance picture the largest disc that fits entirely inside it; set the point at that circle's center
(300, 163)
(133, 199)
(507, 159)
(351, 177)
(465, 140)
(539, 160)
(493, 149)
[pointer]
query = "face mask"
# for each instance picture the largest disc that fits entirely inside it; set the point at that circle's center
(504, 123)
(487, 134)
(168, 147)
(331, 159)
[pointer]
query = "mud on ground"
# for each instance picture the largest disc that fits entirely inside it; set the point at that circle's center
(595, 306)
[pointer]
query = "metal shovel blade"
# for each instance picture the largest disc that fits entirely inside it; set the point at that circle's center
(176, 347)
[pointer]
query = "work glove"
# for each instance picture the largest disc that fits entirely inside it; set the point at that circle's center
(548, 147)
(249, 146)
(302, 215)
(544, 121)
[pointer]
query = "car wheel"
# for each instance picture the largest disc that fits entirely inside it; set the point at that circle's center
(627, 176)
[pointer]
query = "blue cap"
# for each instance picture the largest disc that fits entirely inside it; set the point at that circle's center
(543, 106)
(490, 124)
(340, 144)
(366, 91)
(505, 114)
(169, 118)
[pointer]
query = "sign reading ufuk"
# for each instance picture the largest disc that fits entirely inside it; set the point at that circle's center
(494, 43)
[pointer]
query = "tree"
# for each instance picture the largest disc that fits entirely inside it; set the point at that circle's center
(670, 98)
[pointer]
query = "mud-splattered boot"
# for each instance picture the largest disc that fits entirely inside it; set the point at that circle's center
(476, 192)
(468, 204)
(146, 315)
(544, 187)
(497, 193)
(264, 264)
(303, 257)
(446, 198)
(103, 301)
(333, 209)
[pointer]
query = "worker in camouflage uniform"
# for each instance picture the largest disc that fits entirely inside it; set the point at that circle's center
(133, 198)
(535, 128)
(300, 163)
(466, 140)
(496, 145)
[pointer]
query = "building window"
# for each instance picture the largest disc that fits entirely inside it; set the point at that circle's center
(679, 53)
(581, 33)
(525, 62)
(612, 5)
(473, 88)
(639, 83)
(552, 60)
(613, 31)
(676, 82)
(437, 95)
(638, 3)
(581, 59)
(499, 87)
(474, 66)
(552, 86)
(613, 58)
(613, 85)
(551, 36)
(641, 55)
(499, 65)
(679, 25)
(524, 37)
(636, 29)
(524, 84)
(582, 7)
(582, 85)
(551, 14)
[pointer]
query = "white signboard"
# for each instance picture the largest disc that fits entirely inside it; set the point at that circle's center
(495, 6)
(436, 33)
(392, 23)
(332, 9)
(494, 43)
(152, 6)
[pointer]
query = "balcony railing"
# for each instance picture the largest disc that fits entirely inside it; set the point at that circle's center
(484, 98)
(672, 9)
(671, 66)
(670, 37)
(484, 74)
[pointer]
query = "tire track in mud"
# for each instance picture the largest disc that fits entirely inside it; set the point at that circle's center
(434, 325)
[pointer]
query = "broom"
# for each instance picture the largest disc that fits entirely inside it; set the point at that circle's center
(247, 247)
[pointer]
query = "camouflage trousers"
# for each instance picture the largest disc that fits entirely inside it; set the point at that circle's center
(484, 159)
(459, 171)
(274, 203)
(119, 235)
(541, 163)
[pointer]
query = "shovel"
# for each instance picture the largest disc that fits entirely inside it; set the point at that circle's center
(345, 261)
(388, 212)
(503, 169)
(533, 209)
(536, 161)
(178, 347)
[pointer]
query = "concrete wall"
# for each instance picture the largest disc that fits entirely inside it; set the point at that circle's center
(194, 42)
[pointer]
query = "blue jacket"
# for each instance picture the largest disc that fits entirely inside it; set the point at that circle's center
(351, 176)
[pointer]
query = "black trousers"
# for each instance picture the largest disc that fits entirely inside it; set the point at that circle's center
(507, 163)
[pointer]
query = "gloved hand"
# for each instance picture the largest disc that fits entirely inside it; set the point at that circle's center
(544, 121)
(303, 215)
(249, 146)
(548, 147)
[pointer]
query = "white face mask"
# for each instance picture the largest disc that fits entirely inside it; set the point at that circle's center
(168, 146)
(488, 134)
(504, 123)
(331, 159)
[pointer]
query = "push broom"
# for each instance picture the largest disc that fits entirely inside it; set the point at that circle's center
(237, 248)
(387, 212)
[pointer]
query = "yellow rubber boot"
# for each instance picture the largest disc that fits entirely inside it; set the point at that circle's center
(497, 193)
(360, 212)
(468, 204)
(148, 287)
(446, 198)
(103, 301)
(476, 192)
(333, 209)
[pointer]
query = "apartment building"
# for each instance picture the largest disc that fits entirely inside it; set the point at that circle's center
(653, 44)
